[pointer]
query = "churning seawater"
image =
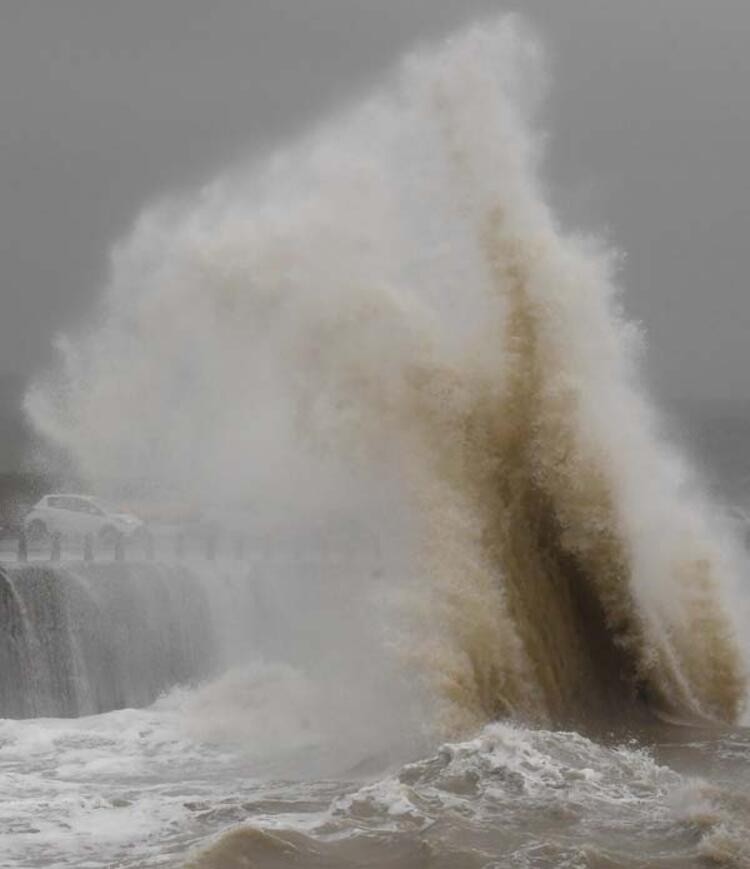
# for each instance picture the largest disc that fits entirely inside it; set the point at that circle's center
(492, 620)
(134, 788)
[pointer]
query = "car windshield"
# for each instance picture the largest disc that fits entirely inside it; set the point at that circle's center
(106, 506)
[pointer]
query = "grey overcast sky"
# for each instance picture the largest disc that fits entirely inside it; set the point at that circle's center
(105, 104)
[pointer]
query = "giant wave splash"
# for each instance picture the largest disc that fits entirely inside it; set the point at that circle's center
(386, 318)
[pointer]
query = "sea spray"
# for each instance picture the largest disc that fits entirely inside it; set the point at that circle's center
(386, 320)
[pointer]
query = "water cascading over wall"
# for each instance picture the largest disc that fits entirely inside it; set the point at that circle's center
(89, 638)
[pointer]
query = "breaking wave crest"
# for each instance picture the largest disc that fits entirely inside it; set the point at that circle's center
(386, 320)
(509, 797)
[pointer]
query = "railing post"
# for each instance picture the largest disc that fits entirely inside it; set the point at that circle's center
(23, 547)
(119, 553)
(56, 550)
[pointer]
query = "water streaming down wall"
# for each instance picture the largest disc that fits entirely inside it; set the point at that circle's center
(84, 639)
(390, 306)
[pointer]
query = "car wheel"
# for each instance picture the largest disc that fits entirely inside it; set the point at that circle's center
(109, 535)
(36, 531)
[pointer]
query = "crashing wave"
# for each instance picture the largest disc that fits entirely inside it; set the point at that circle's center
(386, 318)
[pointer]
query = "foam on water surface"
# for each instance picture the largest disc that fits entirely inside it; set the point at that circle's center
(126, 788)
(136, 788)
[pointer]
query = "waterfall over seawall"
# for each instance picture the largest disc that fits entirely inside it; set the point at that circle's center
(88, 638)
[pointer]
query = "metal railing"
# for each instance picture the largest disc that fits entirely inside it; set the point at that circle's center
(19, 548)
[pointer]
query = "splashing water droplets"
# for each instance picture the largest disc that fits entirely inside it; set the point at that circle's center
(385, 319)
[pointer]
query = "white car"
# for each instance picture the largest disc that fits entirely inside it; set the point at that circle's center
(77, 516)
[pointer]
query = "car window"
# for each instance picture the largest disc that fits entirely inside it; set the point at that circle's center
(73, 504)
